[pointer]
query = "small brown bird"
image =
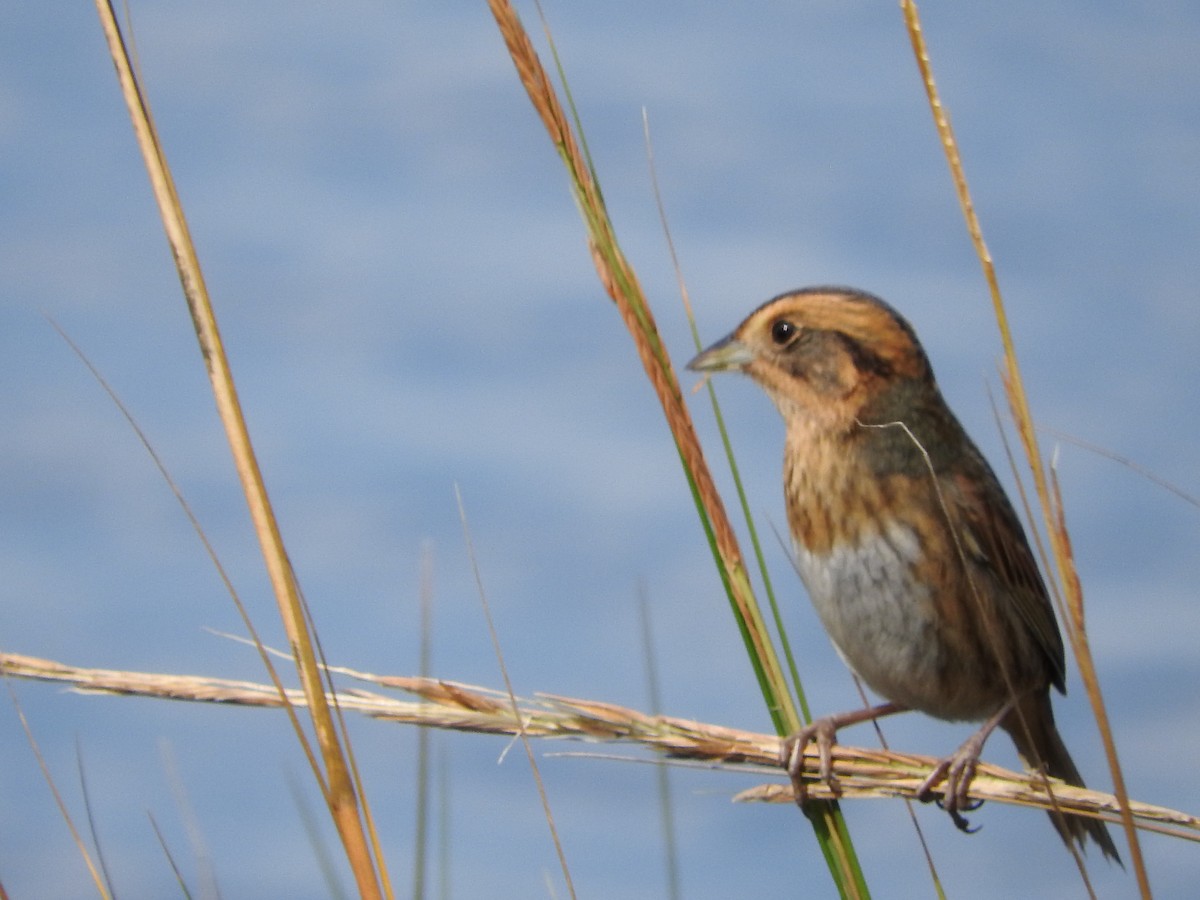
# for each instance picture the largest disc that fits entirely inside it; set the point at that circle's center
(909, 549)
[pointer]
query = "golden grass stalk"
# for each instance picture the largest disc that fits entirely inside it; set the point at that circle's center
(338, 779)
(861, 773)
(1070, 610)
(623, 287)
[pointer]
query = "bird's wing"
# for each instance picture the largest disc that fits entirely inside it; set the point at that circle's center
(992, 534)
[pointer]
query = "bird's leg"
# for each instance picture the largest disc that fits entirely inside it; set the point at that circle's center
(822, 732)
(959, 771)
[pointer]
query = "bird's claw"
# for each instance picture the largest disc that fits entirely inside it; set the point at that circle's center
(791, 756)
(958, 771)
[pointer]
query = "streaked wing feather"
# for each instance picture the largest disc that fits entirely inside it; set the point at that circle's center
(984, 512)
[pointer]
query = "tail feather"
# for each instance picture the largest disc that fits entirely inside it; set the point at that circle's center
(1031, 727)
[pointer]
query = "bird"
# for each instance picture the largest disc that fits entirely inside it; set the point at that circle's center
(905, 541)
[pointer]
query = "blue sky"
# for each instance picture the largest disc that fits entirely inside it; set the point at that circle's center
(405, 293)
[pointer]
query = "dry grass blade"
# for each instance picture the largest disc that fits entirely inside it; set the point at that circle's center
(1072, 615)
(862, 773)
(338, 782)
(1152, 477)
(514, 705)
(622, 286)
(100, 882)
(166, 849)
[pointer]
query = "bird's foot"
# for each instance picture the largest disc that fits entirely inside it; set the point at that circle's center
(791, 755)
(822, 732)
(958, 771)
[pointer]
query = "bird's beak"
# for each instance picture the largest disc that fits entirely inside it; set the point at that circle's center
(727, 354)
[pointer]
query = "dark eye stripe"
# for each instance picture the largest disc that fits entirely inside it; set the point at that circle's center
(864, 360)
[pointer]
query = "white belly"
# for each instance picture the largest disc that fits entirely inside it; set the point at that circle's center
(881, 620)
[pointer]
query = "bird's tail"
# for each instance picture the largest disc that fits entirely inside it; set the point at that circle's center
(1031, 727)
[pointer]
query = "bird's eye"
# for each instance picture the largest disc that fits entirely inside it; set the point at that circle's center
(782, 331)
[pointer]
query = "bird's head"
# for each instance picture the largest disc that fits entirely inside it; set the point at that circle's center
(826, 354)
